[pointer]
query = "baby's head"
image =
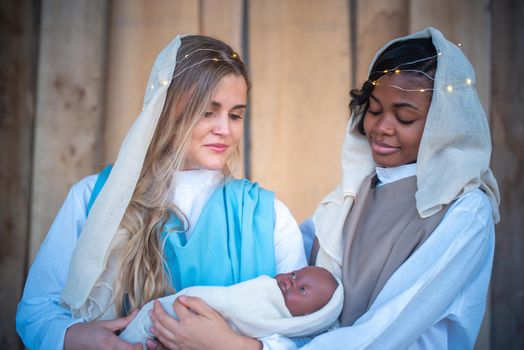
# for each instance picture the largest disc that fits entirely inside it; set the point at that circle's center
(306, 290)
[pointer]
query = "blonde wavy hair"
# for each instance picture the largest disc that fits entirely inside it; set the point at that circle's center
(201, 63)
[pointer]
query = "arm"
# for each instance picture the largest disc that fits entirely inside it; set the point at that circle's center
(429, 286)
(289, 245)
(198, 327)
(41, 321)
(99, 335)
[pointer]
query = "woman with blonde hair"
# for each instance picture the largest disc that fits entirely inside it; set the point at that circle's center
(167, 215)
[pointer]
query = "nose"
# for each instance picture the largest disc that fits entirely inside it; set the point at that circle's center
(221, 126)
(384, 124)
(292, 282)
(287, 283)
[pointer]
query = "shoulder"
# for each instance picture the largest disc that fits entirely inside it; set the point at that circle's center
(475, 203)
(81, 191)
(467, 223)
(281, 209)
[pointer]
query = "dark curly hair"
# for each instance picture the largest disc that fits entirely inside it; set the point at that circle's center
(397, 54)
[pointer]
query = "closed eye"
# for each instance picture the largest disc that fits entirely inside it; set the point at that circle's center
(405, 122)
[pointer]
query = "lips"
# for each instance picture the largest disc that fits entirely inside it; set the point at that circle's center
(383, 148)
(217, 147)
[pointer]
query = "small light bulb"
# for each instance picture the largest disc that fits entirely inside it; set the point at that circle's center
(152, 86)
(459, 44)
(422, 90)
(450, 88)
(468, 81)
(440, 53)
(374, 82)
(385, 71)
(163, 82)
(397, 71)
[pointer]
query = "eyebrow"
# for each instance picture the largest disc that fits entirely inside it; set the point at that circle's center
(398, 105)
(217, 104)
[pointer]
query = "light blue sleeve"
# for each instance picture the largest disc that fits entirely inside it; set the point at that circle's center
(41, 321)
(307, 228)
(446, 279)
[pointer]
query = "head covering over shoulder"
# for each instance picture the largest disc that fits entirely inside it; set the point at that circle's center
(91, 253)
(453, 157)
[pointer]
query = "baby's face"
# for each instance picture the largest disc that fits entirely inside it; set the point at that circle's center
(306, 290)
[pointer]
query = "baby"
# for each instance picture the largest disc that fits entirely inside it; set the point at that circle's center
(302, 302)
(306, 290)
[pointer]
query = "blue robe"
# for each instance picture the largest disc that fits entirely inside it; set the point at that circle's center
(232, 240)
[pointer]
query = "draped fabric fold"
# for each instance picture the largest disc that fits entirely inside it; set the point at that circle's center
(92, 250)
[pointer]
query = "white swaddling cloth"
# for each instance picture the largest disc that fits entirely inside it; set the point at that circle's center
(255, 308)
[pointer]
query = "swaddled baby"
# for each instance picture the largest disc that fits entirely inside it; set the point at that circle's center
(302, 302)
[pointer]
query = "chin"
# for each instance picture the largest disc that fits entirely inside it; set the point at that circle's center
(215, 166)
(386, 162)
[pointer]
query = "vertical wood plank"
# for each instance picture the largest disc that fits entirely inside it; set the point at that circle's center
(467, 23)
(377, 23)
(463, 22)
(223, 20)
(299, 59)
(19, 42)
(138, 30)
(69, 105)
(507, 303)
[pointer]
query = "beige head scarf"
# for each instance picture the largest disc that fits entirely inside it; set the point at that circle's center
(91, 252)
(453, 157)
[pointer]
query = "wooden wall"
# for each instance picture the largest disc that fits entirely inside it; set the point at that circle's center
(299, 63)
(69, 105)
(472, 32)
(18, 43)
(507, 102)
(79, 69)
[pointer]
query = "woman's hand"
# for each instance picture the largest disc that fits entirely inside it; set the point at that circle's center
(198, 327)
(99, 335)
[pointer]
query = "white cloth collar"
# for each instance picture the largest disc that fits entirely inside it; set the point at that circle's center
(387, 175)
(198, 179)
(192, 190)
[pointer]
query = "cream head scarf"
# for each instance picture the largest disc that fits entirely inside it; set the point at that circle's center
(92, 249)
(453, 157)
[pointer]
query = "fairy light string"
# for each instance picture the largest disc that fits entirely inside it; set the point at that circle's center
(449, 87)
(162, 72)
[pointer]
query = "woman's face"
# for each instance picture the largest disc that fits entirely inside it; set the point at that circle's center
(217, 134)
(395, 119)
